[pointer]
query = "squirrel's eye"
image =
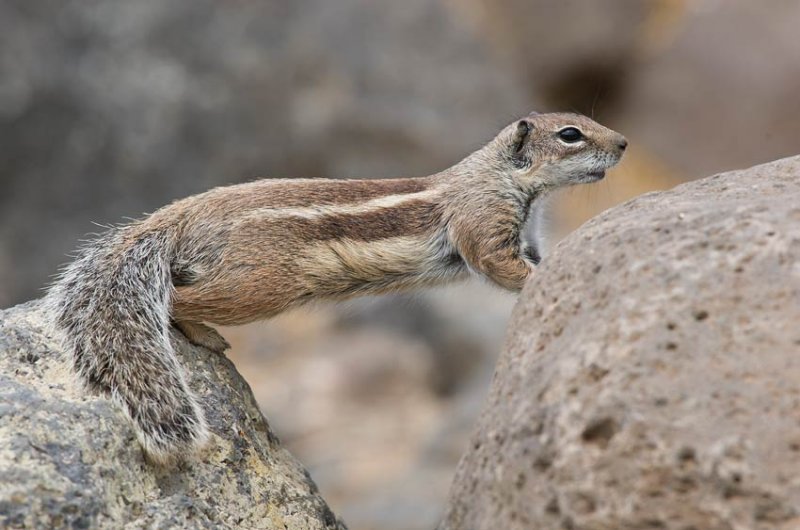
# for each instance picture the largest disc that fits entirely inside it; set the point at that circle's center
(570, 135)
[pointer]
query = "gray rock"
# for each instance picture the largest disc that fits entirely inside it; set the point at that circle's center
(651, 377)
(69, 459)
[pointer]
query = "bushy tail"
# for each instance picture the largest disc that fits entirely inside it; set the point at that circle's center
(113, 304)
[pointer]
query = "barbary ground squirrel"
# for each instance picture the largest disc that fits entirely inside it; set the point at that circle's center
(246, 252)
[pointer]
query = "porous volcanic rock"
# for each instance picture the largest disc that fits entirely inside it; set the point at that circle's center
(69, 459)
(651, 376)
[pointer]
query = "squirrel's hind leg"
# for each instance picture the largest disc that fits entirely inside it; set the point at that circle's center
(201, 335)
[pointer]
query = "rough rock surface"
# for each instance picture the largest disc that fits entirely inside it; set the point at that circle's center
(70, 460)
(651, 376)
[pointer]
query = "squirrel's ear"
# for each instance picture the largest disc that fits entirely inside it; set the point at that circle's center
(521, 134)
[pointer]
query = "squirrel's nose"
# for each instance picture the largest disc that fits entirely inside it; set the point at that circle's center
(622, 143)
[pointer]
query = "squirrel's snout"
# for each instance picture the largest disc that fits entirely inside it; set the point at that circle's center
(622, 143)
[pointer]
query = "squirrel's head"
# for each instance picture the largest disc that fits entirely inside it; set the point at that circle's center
(559, 149)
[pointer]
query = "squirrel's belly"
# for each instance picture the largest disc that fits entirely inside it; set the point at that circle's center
(344, 268)
(332, 270)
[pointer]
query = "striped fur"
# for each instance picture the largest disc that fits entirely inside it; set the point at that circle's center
(241, 253)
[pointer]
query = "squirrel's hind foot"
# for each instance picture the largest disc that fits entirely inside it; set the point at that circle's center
(201, 335)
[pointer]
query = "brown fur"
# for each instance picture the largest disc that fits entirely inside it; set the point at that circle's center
(241, 253)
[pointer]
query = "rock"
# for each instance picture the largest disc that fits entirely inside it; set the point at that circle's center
(650, 377)
(69, 459)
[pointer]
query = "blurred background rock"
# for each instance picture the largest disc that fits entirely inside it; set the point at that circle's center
(110, 109)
